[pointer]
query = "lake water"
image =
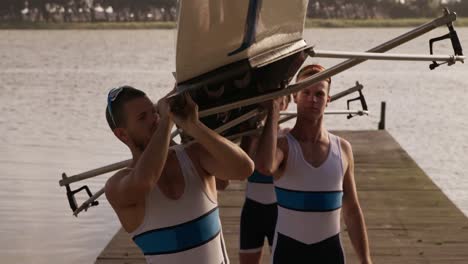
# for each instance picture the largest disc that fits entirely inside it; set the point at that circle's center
(53, 87)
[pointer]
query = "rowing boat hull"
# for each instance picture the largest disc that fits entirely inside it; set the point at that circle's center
(228, 51)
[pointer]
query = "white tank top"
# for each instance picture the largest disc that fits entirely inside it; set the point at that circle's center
(309, 198)
(187, 230)
(260, 188)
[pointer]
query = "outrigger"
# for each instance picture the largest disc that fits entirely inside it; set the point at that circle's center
(236, 69)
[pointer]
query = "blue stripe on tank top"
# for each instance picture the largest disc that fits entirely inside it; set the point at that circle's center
(181, 237)
(309, 201)
(257, 177)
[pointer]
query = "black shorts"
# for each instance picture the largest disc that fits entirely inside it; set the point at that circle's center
(288, 250)
(257, 222)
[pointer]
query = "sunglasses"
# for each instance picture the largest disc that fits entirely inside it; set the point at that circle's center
(111, 97)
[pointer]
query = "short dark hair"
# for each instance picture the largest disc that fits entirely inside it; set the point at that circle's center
(128, 93)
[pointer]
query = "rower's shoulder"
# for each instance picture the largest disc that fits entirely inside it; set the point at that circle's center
(283, 143)
(118, 176)
(196, 152)
(345, 146)
(114, 181)
(195, 149)
(283, 131)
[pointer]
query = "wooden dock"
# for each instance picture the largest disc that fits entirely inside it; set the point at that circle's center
(409, 219)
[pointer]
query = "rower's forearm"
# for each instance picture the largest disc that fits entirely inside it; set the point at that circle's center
(358, 235)
(267, 145)
(151, 163)
(223, 151)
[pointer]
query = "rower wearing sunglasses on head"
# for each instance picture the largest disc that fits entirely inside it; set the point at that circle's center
(166, 199)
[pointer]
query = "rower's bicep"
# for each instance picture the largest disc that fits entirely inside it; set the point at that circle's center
(279, 158)
(281, 153)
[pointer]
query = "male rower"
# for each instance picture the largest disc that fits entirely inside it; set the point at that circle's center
(314, 179)
(166, 199)
(259, 212)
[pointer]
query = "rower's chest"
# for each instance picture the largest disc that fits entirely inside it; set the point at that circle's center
(315, 153)
(172, 182)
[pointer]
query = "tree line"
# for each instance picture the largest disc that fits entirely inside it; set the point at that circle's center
(165, 10)
(368, 9)
(87, 10)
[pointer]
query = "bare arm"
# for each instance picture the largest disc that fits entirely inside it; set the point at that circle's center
(352, 213)
(268, 156)
(248, 144)
(218, 156)
(221, 185)
(133, 188)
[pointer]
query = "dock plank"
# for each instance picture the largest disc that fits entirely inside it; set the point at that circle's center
(409, 219)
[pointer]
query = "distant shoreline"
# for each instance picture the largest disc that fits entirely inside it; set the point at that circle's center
(310, 23)
(375, 23)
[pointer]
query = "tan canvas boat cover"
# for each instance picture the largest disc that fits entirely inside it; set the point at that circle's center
(215, 33)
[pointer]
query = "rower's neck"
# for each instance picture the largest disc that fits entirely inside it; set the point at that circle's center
(309, 130)
(136, 154)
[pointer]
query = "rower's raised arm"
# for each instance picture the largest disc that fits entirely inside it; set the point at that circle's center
(268, 156)
(217, 155)
(127, 189)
